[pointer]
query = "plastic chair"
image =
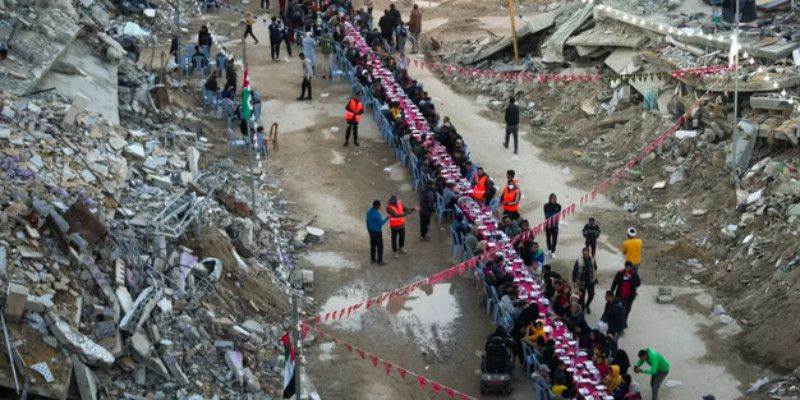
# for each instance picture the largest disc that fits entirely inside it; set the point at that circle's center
(490, 299)
(506, 321)
(441, 210)
(456, 242)
(222, 61)
(494, 204)
(206, 50)
(234, 142)
(529, 359)
(201, 64)
(210, 100)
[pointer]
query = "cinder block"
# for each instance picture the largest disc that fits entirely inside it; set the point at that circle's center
(16, 298)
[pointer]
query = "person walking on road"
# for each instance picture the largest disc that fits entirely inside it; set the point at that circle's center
(632, 249)
(308, 50)
(613, 315)
(265, 5)
(584, 277)
(591, 232)
(551, 213)
(352, 114)
(510, 200)
(308, 73)
(326, 49)
(275, 38)
(370, 4)
(248, 29)
(415, 28)
(427, 206)
(375, 224)
(512, 123)
(626, 281)
(286, 36)
(397, 223)
(659, 368)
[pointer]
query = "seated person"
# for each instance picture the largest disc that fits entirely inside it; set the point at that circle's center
(211, 83)
(199, 59)
(229, 92)
(472, 243)
(491, 191)
(509, 301)
(449, 196)
(561, 301)
(459, 224)
(613, 379)
(509, 226)
(534, 331)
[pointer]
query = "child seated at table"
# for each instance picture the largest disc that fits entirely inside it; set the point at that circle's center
(535, 331)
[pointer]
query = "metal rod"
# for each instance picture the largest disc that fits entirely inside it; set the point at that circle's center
(298, 365)
(513, 31)
(10, 350)
(252, 153)
(736, 73)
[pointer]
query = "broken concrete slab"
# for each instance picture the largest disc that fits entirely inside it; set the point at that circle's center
(85, 379)
(79, 103)
(92, 353)
(174, 367)
(140, 310)
(16, 299)
(535, 25)
(553, 47)
(600, 37)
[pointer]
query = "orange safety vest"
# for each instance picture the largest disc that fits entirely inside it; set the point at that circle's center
(353, 110)
(508, 197)
(480, 187)
(398, 210)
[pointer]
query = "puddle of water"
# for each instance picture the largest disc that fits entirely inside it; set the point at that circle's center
(327, 259)
(428, 315)
(326, 351)
(338, 158)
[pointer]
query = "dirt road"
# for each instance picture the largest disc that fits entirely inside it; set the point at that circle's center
(437, 333)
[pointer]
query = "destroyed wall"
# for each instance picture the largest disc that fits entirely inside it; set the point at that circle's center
(128, 260)
(735, 231)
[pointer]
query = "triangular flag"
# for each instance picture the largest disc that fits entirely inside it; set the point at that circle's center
(361, 353)
(436, 387)
(349, 347)
(422, 382)
(450, 392)
(387, 366)
(463, 396)
(401, 372)
(374, 360)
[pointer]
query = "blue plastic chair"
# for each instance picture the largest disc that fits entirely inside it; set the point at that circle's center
(441, 210)
(456, 242)
(494, 204)
(222, 61)
(234, 142)
(206, 50)
(505, 320)
(201, 63)
(529, 359)
(210, 101)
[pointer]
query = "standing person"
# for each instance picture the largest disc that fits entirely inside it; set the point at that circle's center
(370, 6)
(397, 223)
(479, 182)
(659, 368)
(248, 29)
(387, 28)
(512, 123)
(402, 35)
(352, 114)
(275, 37)
(326, 49)
(285, 36)
(427, 207)
(632, 249)
(510, 199)
(308, 73)
(626, 281)
(204, 37)
(415, 28)
(375, 229)
(584, 277)
(395, 18)
(552, 210)
(613, 315)
(230, 73)
(265, 5)
(308, 50)
(591, 232)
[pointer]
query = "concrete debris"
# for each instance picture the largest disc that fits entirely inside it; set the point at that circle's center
(93, 354)
(16, 300)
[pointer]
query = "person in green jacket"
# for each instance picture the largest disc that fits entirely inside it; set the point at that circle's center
(659, 368)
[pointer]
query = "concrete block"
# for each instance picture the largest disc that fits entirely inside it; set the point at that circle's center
(85, 379)
(16, 299)
(140, 347)
(253, 326)
(174, 367)
(93, 353)
(39, 304)
(79, 103)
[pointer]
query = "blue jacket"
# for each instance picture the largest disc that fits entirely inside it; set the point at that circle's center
(374, 220)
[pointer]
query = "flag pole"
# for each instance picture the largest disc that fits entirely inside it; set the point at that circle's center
(298, 359)
(251, 144)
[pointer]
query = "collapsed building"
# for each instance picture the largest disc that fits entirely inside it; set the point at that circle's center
(131, 264)
(724, 200)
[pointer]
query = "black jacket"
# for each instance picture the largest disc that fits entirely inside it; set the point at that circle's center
(204, 39)
(512, 114)
(616, 286)
(385, 23)
(614, 316)
(275, 33)
(426, 201)
(591, 232)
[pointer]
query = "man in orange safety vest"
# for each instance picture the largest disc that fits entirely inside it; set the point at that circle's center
(479, 182)
(397, 223)
(352, 113)
(511, 197)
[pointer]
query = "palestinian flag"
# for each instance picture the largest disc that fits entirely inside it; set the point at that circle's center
(288, 369)
(247, 101)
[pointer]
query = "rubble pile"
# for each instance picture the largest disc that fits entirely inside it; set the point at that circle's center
(133, 265)
(725, 201)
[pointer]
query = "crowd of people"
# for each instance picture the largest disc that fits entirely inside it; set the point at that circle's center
(313, 24)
